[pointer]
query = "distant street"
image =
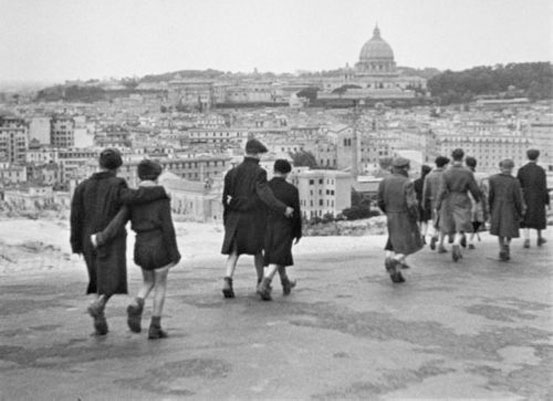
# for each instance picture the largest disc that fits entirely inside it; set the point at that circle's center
(476, 329)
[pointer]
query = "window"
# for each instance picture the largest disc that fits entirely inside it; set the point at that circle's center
(311, 182)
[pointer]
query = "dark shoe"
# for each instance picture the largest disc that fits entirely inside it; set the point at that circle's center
(264, 289)
(228, 292)
(155, 333)
(541, 241)
(503, 255)
(400, 278)
(456, 253)
(100, 323)
(134, 316)
(287, 286)
(526, 243)
(471, 246)
(464, 241)
(441, 249)
(433, 241)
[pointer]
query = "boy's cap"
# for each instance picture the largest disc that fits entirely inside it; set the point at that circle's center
(149, 170)
(533, 154)
(282, 166)
(400, 162)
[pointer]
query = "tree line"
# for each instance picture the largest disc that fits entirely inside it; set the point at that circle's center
(531, 80)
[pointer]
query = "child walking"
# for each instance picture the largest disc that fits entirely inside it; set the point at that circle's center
(155, 249)
(280, 233)
(506, 207)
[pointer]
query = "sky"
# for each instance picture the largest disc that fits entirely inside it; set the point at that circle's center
(58, 40)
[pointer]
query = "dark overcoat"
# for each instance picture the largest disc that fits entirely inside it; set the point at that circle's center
(245, 194)
(430, 192)
(454, 203)
(281, 231)
(396, 198)
(425, 214)
(534, 188)
(156, 243)
(95, 202)
(506, 205)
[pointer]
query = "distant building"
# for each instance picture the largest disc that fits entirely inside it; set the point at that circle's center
(541, 137)
(39, 129)
(12, 174)
(62, 131)
(13, 139)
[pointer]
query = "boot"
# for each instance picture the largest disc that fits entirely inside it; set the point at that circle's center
(540, 241)
(134, 315)
(228, 292)
(155, 332)
(264, 289)
(287, 285)
(96, 310)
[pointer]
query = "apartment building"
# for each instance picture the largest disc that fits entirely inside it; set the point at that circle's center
(14, 140)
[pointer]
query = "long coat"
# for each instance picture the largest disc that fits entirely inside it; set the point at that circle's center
(156, 244)
(281, 231)
(95, 202)
(425, 214)
(396, 198)
(430, 192)
(454, 203)
(506, 205)
(245, 194)
(534, 188)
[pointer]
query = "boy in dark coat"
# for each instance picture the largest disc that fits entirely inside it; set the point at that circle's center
(155, 249)
(95, 203)
(397, 199)
(281, 232)
(424, 214)
(430, 199)
(246, 194)
(506, 207)
(534, 188)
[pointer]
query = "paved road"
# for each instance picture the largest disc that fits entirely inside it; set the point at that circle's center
(477, 329)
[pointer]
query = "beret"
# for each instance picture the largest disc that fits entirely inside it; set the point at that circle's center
(282, 166)
(400, 162)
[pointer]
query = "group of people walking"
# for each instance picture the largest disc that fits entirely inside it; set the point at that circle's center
(263, 218)
(455, 202)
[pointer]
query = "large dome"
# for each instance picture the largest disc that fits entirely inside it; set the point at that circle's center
(376, 49)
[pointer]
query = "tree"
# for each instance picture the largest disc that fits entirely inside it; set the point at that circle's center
(303, 159)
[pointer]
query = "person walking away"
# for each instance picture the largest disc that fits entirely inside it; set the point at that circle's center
(457, 182)
(94, 204)
(246, 194)
(430, 200)
(396, 198)
(506, 207)
(479, 213)
(425, 214)
(534, 189)
(155, 248)
(281, 232)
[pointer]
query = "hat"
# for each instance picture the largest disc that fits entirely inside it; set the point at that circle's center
(149, 170)
(458, 154)
(441, 161)
(282, 166)
(533, 154)
(507, 164)
(110, 159)
(400, 162)
(254, 146)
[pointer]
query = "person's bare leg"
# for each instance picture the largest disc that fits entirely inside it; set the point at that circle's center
(135, 308)
(160, 289)
(230, 267)
(264, 286)
(258, 262)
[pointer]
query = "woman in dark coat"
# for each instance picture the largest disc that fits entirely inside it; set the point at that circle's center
(95, 203)
(281, 232)
(534, 188)
(425, 214)
(245, 195)
(155, 249)
(506, 207)
(396, 198)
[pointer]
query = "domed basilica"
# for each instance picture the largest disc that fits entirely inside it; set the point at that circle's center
(374, 76)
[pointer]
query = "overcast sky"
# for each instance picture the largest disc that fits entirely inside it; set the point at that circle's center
(81, 39)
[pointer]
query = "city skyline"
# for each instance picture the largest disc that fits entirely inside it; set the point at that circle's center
(60, 40)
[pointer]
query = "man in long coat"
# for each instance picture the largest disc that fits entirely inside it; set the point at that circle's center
(506, 207)
(245, 195)
(457, 182)
(534, 188)
(95, 203)
(280, 232)
(397, 199)
(430, 199)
